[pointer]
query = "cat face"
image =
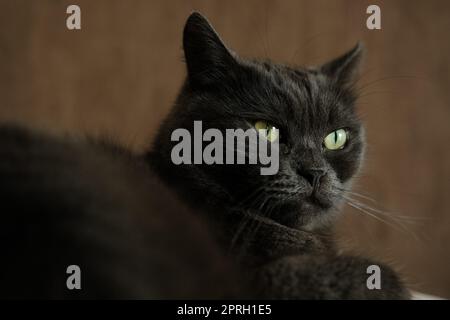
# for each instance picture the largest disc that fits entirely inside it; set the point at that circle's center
(320, 136)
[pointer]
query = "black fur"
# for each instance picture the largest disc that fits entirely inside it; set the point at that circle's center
(69, 201)
(305, 104)
(279, 222)
(66, 201)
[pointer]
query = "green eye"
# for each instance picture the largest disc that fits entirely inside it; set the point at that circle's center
(269, 131)
(335, 140)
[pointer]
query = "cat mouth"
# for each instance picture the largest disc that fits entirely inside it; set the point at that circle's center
(301, 210)
(314, 201)
(319, 201)
(297, 208)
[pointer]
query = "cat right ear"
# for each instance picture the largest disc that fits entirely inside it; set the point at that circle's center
(208, 59)
(345, 68)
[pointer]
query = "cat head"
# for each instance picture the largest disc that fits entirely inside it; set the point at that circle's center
(319, 134)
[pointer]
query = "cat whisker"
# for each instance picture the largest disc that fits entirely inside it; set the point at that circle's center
(256, 193)
(247, 202)
(252, 230)
(240, 229)
(356, 194)
(409, 219)
(371, 214)
(397, 224)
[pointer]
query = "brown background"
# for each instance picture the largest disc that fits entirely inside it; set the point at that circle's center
(121, 72)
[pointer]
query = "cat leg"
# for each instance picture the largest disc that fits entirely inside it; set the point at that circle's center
(326, 277)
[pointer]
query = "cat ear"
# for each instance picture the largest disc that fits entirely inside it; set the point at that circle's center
(206, 56)
(345, 68)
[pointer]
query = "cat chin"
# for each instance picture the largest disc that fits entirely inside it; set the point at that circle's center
(305, 214)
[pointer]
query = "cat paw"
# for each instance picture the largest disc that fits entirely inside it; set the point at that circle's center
(328, 277)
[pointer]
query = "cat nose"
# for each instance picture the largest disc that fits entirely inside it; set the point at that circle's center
(313, 176)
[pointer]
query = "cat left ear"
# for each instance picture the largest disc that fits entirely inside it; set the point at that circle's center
(345, 68)
(207, 58)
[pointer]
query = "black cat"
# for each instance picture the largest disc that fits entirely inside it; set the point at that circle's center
(68, 201)
(279, 226)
